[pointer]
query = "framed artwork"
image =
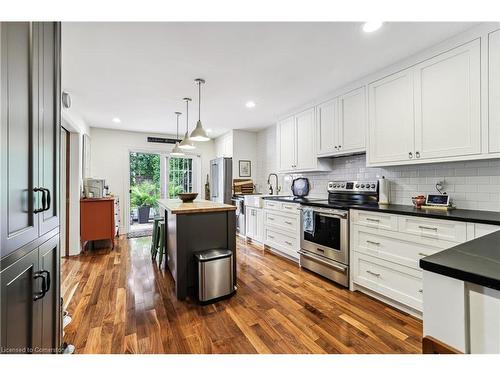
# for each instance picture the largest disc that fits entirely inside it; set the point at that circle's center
(245, 168)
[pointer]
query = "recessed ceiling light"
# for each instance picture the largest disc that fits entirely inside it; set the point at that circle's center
(370, 27)
(250, 104)
(116, 120)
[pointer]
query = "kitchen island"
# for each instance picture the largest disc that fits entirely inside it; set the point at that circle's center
(193, 227)
(464, 279)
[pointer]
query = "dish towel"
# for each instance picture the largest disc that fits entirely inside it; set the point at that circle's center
(308, 220)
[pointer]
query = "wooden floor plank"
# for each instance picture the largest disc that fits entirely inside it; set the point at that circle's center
(123, 302)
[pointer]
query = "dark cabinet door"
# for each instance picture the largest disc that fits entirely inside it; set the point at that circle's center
(49, 121)
(19, 136)
(50, 304)
(20, 317)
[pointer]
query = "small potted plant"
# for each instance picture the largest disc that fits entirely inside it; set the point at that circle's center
(144, 196)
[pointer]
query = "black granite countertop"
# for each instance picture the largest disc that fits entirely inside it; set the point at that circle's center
(476, 261)
(472, 216)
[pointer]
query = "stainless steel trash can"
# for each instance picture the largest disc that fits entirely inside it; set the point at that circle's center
(215, 274)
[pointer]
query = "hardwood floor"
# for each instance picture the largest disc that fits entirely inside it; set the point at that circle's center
(121, 302)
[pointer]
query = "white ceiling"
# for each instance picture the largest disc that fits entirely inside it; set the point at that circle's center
(139, 72)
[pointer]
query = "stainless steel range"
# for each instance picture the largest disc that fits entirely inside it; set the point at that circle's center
(325, 228)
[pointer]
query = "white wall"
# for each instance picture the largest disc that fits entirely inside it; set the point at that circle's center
(244, 148)
(471, 184)
(110, 157)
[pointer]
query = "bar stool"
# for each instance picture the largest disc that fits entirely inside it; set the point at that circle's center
(156, 236)
(161, 248)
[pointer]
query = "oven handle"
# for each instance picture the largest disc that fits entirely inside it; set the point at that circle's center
(323, 262)
(333, 215)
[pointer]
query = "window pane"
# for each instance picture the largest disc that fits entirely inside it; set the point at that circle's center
(180, 176)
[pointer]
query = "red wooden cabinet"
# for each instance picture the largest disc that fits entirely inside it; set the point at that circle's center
(97, 220)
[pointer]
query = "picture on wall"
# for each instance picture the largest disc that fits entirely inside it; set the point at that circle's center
(245, 168)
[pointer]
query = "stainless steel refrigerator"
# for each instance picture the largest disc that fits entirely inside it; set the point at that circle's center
(221, 180)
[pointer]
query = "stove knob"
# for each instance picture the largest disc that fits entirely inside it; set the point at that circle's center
(362, 186)
(372, 186)
(342, 186)
(357, 185)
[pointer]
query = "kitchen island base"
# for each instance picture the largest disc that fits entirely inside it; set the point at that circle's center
(192, 232)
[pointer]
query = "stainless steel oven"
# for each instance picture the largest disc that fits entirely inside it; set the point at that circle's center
(325, 248)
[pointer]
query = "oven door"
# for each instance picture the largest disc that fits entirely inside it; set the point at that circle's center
(330, 237)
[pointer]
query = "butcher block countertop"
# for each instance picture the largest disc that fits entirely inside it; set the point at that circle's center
(176, 206)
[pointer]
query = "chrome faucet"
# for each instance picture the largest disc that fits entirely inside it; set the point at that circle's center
(277, 189)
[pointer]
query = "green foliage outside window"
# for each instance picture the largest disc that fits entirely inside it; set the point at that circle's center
(144, 179)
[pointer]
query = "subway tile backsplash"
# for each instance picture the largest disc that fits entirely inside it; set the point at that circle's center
(471, 184)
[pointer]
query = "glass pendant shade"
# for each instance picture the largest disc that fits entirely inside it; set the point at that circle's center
(186, 143)
(176, 151)
(199, 134)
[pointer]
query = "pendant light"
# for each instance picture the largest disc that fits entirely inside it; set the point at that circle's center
(186, 143)
(199, 134)
(176, 151)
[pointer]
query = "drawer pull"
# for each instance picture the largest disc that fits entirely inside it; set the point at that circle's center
(429, 228)
(373, 273)
(373, 242)
(288, 207)
(272, 237)
(288, 222)
(270, 218)
(374, 220)
(420, 290)
(288, 243)
(320, 250)
(423, 254)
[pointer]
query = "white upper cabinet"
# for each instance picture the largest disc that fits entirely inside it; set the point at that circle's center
(341, 124)
(327, 125)
(286, 136)
(352, 122)
(391, 119)
(447, 104)
(430, 112)
(296, 142)
(494, 91)
(305, 153)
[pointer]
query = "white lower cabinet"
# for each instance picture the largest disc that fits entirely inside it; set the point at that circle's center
(282, 227)
(400, 283)
(385, 250)
(254, 223)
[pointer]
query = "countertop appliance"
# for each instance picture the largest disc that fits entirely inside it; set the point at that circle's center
(300, 187)
(325, 248)
(94, 188)
(221, 180)
(239, 202)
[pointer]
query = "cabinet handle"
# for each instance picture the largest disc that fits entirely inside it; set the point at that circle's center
(374, 220)
(288, 243)
(423, 254)
(373, 242)
(45, 276)
(336, 147)
(417, 154)
(340, 146)
(373, 273)
(38, 210)
(420, 290)
(410, 155)
(288, 222)
(272, 237)
(48, 199)
(429, 228)
(270, 218)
